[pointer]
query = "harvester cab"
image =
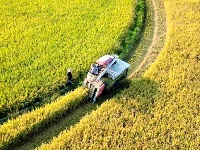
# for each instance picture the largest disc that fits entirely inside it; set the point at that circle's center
(105, 74)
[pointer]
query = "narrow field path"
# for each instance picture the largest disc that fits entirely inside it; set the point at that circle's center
(153, 39)
(149, 46)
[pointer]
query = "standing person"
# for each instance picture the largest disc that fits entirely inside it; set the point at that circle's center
(69, 77)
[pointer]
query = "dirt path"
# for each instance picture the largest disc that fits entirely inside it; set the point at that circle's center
(152, 41)
(157, 40)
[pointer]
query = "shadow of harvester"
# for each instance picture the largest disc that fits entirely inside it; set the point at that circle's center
(142, 90)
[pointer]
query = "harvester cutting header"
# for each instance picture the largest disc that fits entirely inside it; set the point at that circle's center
(105, 74)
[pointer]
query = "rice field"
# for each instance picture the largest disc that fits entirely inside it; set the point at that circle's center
(160, 110)
(41, 39)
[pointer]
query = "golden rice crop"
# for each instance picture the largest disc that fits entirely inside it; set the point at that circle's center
(40, 39)
(161, 109)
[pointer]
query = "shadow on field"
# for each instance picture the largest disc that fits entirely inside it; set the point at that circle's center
(139, 90)
(68, 120)
(142, 91)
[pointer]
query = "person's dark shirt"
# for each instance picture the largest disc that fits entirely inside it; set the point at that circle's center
(69, 76)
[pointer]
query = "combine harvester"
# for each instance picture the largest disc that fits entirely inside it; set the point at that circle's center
(105, 74)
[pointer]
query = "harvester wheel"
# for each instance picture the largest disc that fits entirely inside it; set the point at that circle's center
(94, 94)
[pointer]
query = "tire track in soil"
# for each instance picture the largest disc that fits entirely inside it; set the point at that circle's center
(73, 117)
